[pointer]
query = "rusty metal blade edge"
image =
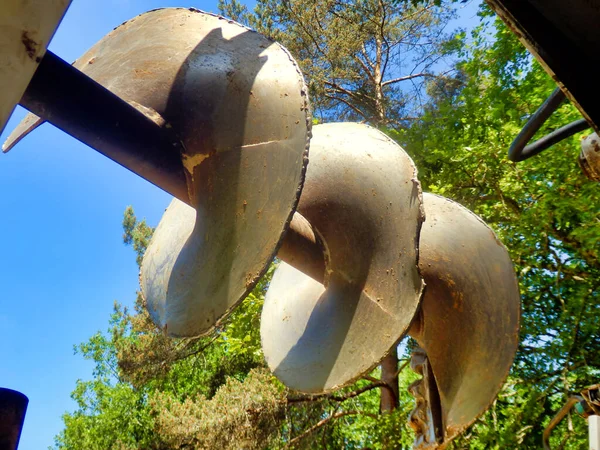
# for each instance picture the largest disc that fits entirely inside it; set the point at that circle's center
(26, 126)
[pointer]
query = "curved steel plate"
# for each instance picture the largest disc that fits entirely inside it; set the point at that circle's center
(238, 103)
(469, 321)
(362, 196)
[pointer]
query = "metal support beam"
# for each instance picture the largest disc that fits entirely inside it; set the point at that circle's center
(26, 28)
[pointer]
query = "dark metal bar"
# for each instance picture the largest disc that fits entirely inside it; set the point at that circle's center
(520, 151)
(553, 138)
(73, 102)
(81, 107)
(13, 406)
(516, 150)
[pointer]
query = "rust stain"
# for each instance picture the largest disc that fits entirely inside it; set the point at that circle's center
(142, 73)
(31, 46)
(458, 301)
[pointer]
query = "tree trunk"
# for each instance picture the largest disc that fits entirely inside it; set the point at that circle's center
(389, 375)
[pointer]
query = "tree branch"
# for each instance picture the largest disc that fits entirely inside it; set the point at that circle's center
(407, 77)
(324, 422)
(345, 102)
(338, 398)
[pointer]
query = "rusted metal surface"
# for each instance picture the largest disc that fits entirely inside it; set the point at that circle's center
(563, 37)
(26, 28)
(122, 130)
(362, 196)
(467, 325)
(238, 104)
(426, 417)
(13, 406)
(589, 158)
(469, 319)
(224, 92)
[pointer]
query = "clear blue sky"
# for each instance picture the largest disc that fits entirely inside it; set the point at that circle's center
(63, 261)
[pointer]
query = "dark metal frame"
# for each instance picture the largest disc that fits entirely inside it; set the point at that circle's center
(520, 150)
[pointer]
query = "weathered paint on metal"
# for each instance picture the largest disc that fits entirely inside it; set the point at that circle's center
(362, 197)
(237, 104)
(26, 28)
(467, 325)
(589, 158)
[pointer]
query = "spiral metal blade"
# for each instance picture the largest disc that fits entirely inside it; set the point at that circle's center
(236, 104)
(362, 197)
(469, 320)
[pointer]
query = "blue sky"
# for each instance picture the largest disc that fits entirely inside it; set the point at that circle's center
(63, 261)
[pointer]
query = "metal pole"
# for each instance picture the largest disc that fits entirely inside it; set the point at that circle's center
(560, 415)
(594, 429)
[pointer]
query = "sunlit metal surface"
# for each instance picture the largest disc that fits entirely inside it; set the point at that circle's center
(362, 197)
(238, 103)
(467, 325)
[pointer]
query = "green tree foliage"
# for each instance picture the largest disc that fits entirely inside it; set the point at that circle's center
(364, 60)
(152, 392)
(544, 210)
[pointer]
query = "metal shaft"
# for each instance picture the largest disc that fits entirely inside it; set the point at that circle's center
(81, 107)
(84, 109)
